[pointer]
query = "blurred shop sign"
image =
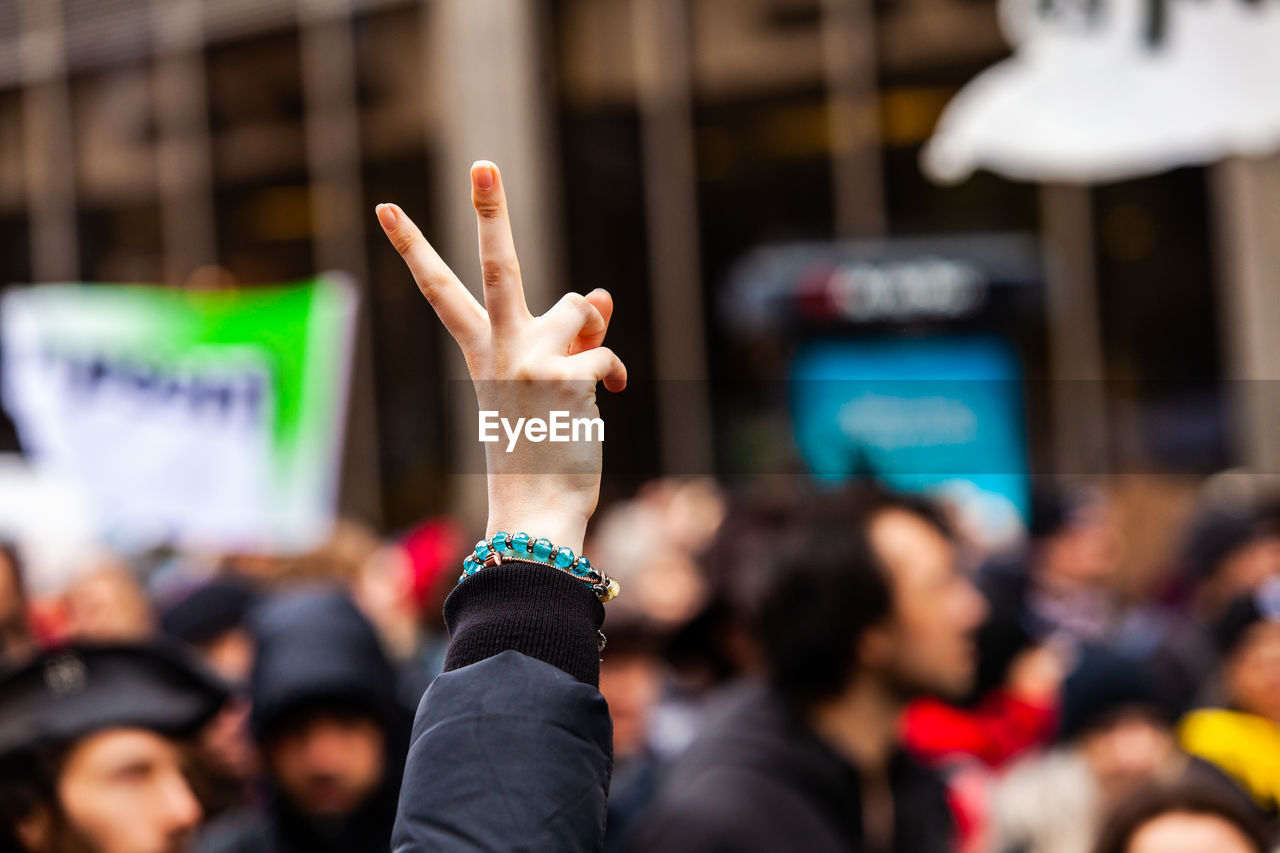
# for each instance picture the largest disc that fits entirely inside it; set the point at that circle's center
(909, 280)
(919, 288)
(1100, 90)
(208, 419)
(942, 414)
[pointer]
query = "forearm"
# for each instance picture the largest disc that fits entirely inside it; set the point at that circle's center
(512, 745)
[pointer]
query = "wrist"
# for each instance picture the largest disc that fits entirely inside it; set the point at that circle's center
(544, 506)
(566, 530)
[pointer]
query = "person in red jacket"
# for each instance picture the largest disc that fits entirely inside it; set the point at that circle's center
(1004, 723)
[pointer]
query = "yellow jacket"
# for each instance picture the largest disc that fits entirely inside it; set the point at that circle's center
(1244, 746)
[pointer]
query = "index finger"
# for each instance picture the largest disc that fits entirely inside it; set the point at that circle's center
(453, 303)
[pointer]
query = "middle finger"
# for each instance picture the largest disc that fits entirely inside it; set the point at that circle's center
(503, 291)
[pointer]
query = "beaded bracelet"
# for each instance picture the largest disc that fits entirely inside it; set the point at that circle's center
(519, 546)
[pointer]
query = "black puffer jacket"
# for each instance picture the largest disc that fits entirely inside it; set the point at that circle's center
(761, 781)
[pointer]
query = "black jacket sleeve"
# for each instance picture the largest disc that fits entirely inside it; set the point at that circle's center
(512, 745)
(528, 608)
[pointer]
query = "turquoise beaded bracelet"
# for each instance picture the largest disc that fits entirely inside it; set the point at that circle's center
(519, 546)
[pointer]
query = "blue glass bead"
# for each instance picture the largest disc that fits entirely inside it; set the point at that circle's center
(583, 568)
(519, 542)
(542, 549)
(564, 558)
(470, 565)
(482, 550)
(499, 541)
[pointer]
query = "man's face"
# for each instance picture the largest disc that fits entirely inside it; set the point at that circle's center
(631, 684)
(328, 764)
(1253, 671)
(230, 654)
(1240, 573)
(1128, 752)
(123, 791)
(926, 647)
(1088, 551)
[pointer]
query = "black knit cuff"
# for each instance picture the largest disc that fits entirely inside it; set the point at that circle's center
(529, 608)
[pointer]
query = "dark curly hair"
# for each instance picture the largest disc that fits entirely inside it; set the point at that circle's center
(809, 581)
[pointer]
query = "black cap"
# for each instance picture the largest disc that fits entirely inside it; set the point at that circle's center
(208, 610)
(1103, 685)
(70, 692)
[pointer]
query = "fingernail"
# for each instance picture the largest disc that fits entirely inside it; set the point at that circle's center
(482, 174)
(386, 216)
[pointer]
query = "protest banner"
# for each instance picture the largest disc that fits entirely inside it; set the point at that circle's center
(209, 419)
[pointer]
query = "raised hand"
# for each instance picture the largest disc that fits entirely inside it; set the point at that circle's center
(522, 367)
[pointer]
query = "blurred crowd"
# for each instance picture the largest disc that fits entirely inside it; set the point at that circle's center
(1102, 714)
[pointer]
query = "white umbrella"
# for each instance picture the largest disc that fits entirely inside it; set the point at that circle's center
(1106, 91)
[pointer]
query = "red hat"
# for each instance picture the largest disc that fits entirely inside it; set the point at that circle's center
(434, 547)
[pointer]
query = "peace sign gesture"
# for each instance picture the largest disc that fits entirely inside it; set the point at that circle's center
(522, 367)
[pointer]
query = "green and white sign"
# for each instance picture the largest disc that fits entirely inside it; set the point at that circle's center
(208, 419)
